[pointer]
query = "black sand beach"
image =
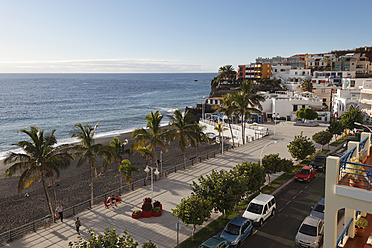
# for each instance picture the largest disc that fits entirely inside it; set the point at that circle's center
(16, 209)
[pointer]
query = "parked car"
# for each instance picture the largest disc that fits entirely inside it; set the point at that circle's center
(310, 233)
(260, 208)
(305, 174)
(215, 242)
(237, 230)
(319, 162)
(318, 209)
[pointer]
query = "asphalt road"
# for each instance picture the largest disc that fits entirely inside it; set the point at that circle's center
(293, 204)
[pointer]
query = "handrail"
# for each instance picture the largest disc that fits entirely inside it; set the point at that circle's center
(345, 232)
(77, 208)
(362, 143)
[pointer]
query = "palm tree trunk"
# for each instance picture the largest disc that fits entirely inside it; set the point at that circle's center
(91, 185)
(47, 195)
(121, 183)
(193, 232)
(197, 151)
(54, 191)
(156, 159)
(184, 160)
(243, 126)
(232, 136)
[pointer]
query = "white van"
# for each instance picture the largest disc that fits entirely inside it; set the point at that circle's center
(260, 208)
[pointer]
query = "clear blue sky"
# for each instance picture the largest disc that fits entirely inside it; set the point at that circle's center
(172, 35)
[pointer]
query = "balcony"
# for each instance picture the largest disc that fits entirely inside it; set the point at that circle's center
(359, 240)
(354, 181)
(355, 168)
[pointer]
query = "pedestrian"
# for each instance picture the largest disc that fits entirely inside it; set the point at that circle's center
(59, 210)
(77, 225)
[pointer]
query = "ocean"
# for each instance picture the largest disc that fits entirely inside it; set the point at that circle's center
(119, 101)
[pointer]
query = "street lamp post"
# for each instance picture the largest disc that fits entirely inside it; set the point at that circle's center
(273, 142)
(147, 170)
(360, 124)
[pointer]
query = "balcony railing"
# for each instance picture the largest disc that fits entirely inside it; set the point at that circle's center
(355, 174)
(344, 234)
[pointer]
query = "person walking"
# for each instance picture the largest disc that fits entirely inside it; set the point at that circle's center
(77, 225)
(59, 210)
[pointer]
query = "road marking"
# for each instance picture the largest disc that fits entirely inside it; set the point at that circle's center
(294, 197)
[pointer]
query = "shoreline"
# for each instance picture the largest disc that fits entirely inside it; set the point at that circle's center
(74, 184)
(104, 138)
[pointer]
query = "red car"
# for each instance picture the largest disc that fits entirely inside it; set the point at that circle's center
(305, 174)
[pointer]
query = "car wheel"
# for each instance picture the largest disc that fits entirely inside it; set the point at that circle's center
(261, 222)
(273, 212)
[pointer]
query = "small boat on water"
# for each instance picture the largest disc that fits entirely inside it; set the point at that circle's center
(195, 80)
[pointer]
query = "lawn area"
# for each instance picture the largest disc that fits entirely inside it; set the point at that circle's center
(340, 140)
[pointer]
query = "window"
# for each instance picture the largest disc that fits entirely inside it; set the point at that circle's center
(352, 83)
(294, 107)
(359, 66)
(295, 72)
(265, 209)
(324, 99)
(323, 91)
(303, 106)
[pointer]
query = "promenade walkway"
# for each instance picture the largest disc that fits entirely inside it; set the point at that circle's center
(169, 191)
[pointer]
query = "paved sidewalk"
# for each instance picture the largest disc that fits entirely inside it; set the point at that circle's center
(169, 191)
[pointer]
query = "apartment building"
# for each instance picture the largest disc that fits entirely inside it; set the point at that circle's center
(254, 71)
(295, 61)
(360, 62)
(331, 77)
(320, 62)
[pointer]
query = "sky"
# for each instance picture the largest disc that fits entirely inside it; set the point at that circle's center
(166, 36)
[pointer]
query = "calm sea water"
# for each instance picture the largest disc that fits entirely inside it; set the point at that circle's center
(119, 101)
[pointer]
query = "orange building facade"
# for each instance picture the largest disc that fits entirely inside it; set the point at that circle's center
(255, 71)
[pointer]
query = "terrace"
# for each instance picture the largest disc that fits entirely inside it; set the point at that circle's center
(354, 185)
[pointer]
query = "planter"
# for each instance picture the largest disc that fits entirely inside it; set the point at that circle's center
(359, 231)
(159, 206)
(146, 214)
(156, 214)
(136, 216)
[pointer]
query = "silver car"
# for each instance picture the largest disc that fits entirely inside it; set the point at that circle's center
(310, 233)
(318, 209)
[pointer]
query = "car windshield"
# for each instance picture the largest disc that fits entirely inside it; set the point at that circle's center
(304, 171)
(319, 159)
(319, 208)
(308, 230)
(232, 229)
(255, 208)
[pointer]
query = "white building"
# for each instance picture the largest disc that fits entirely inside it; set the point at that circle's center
(354, 92)
(331, 77)
(286, 104)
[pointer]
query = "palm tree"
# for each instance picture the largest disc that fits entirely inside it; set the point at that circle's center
(228, 107)
(307, 85)
(226, 72)
(146, 153)
(87, 151)
(219, 128)
(54, 169)
(199, 136)
(247, 101)
(126, 171)
(39, 158)
(152, 137)
(183, 130)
